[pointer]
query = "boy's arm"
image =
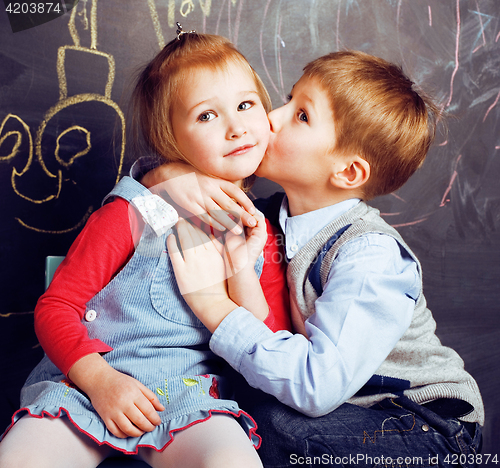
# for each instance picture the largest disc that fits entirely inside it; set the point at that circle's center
(363, 312)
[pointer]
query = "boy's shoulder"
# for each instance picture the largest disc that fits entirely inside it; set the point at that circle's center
(270, 207)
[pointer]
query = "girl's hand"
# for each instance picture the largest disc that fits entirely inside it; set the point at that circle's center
(127, 407)
(242, 252)
(216, 202)
(200, 273)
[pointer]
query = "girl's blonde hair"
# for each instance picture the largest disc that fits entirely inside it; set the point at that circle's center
(378, 114)
(159, 83)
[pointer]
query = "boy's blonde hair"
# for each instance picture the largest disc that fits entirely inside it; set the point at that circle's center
(158, 85)
(378, 115)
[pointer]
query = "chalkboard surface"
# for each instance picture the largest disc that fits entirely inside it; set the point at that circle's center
(64, 141)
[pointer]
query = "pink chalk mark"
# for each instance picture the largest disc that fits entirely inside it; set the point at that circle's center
(237, 22)
(498, 37)
(482, 28)
(280, 68)
(445, 200)
(229, 19)
(491, 107)
(218, 21)
(430, 15)
(457, 47)
(338, 26)
(391, 214)
(261, 43)
(411, 223)
(398, 197)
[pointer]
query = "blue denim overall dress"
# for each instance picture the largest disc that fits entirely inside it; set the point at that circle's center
(155, 338)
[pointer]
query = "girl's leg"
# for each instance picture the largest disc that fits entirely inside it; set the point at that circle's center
(217, 442)
(48, 443)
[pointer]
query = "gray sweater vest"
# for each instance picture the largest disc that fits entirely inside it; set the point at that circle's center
(419, 366)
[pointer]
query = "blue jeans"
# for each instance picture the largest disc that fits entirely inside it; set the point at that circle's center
(394, 433)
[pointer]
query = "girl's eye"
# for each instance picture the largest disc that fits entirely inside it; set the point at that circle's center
(245, 105)
(303, 116)
(206, 116)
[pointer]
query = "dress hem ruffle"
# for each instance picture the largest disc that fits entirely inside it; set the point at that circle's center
(156, 439)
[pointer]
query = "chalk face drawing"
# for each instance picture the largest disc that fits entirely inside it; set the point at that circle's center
(63, 141)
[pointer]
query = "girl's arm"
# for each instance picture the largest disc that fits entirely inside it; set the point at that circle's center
(82, 274)
(100, 251)
(220, 277)
(212, 200)
(240, 254)
(201, 274)
(132, 409)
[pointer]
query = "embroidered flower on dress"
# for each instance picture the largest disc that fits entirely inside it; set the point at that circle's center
(214, 389)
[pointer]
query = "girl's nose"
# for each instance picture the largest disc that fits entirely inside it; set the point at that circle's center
(236, 129)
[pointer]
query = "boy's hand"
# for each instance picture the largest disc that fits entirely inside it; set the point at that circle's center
(127, 407)
(216, 202)
(201, 274)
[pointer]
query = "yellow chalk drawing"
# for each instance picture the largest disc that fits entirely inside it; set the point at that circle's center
(206, 6)
(18, 136)
(156, 22)
(171, 13)
(77, 155)
(64, 102)
(187, 7)
(61, 71)
(65, 231)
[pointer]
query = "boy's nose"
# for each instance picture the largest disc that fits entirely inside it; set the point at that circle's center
(275, 118)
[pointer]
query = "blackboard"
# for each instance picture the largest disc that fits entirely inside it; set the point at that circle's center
(64, 141)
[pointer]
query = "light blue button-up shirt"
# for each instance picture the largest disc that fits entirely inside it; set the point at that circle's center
(366, 306)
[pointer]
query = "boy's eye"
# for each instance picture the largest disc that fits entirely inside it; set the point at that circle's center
(303, 116)
(245, 105)
(206, 116)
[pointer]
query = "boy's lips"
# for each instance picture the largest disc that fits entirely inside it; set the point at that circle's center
(240, 150)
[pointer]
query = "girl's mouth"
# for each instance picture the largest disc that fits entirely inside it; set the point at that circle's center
(240, 150)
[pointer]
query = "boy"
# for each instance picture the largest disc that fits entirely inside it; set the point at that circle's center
(364, 380)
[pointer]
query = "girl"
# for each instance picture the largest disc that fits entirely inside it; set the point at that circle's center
(127, 364)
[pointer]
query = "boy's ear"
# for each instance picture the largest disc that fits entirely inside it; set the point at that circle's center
(350, 173)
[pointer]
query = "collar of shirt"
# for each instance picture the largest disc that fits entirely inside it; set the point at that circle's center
(299, 230)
